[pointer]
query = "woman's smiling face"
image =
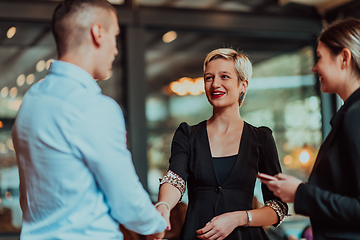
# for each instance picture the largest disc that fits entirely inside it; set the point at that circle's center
(222, 86)
(328, 67)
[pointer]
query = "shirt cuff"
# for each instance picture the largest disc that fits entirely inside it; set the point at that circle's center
(175, 180)
(279, 208)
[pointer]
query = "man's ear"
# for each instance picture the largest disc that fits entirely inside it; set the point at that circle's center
(96, 33)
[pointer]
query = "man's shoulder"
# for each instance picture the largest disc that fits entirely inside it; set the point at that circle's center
(65, 98)
(101, 101)
(74, 94)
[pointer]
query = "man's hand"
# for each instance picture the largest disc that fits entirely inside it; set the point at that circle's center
(284, 187)
(156, 236)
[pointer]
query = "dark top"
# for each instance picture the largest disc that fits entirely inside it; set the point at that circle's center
(331, 198)
(191, 159)
(223, 166)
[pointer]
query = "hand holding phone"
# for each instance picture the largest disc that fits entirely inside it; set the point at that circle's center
(266, 177)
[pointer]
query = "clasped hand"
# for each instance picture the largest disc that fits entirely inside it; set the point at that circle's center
(219, 227)
(166, 214)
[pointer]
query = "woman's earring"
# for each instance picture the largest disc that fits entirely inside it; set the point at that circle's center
(242, 96)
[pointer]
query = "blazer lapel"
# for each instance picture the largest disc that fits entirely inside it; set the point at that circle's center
(335, 122)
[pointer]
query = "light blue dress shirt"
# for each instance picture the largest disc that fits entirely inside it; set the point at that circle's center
(77, 180)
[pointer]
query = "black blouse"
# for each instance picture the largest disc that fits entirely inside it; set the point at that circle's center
(223, 166)
(191, 160)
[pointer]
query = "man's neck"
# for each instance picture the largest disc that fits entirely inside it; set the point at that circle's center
(84, 61)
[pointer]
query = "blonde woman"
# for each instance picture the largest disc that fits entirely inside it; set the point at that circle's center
(219, 159)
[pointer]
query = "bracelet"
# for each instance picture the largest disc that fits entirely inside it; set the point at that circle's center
(166, 204)
(249, 218)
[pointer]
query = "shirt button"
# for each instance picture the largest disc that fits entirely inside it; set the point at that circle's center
(218, 189)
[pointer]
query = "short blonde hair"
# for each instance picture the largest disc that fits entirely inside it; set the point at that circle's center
(243, 66)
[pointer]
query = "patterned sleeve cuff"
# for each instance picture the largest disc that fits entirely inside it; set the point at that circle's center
(175, 180)
(280, 210)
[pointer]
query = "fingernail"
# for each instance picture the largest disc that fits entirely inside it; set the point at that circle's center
(167, 228)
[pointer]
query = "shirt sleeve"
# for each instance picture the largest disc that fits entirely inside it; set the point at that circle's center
(100, 141)
(327, 206)
(178, 169)
(269, 164)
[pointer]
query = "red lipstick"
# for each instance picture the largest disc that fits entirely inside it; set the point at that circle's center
(217, 94)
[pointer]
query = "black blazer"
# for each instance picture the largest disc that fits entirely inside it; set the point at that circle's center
(331, 198)
(191, 159)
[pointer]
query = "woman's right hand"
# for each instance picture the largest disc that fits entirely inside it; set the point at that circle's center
(164, 211)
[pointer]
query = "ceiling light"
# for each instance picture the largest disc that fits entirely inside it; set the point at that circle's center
(20, 80)
(4, 92)
(11, 32)
(30, 79)
(186, 85)
(13, 92)
(40, 66)
(169, 36)
(198, 86)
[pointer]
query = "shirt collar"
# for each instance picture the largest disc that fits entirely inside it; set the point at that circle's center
(71, 71)
(355, 96)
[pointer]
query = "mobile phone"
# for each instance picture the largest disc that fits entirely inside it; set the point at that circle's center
(263, 176)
